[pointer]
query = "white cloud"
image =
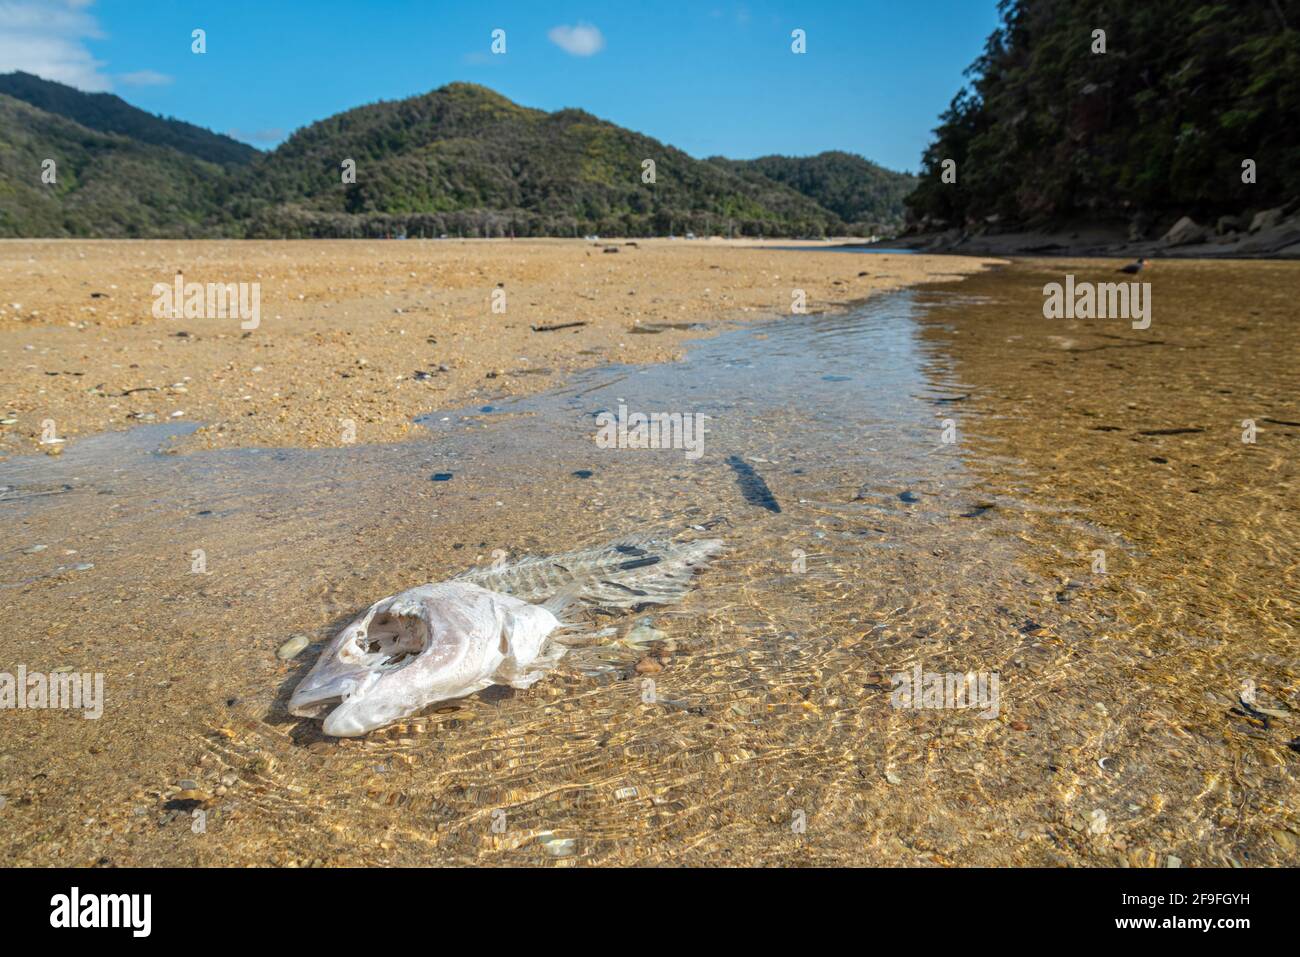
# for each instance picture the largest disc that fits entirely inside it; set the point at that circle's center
(48, 38)
(144, 78)
(582, 40)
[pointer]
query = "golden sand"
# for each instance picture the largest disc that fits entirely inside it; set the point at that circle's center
(346, 326)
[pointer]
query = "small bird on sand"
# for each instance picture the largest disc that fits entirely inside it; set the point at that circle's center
(489, 626)
(1135, 267)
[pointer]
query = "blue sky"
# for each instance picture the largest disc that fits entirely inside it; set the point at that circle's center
(708, 77)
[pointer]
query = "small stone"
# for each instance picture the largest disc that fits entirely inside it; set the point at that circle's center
(187, 785)
(1185, 232)
(893, 778)
(1142, 857)
(1264, 219)
(649, 666)
(1097, 821)
(1172, 861)
(644, 635)
(292, 648)
(556, 846)
(1283, 839)
(1228, 224)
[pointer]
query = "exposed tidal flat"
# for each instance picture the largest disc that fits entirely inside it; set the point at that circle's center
(1147, 695)
(371, 332)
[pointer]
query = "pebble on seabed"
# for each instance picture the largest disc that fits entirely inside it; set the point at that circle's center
(293, 647)
(643, 634)
(556, 846)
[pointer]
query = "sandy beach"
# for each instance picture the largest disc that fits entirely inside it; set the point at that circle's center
(1100, 537)
(355, 339)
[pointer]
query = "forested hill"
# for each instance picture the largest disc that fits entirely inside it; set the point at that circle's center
(106, 113)
(460, 160)
(854, 189)
(1155, 128)
(103, 184)
(464, 159)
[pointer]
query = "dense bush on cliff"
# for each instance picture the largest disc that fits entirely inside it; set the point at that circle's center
(1155, 127)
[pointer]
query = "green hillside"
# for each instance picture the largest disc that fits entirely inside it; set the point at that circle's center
(460, 160)
(106, 113)
(857, 191)
(105, 185)
(465, 159)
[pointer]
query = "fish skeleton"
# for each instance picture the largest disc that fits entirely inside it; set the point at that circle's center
(487, 626)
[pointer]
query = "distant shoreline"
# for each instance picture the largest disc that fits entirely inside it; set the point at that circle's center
(1281, 241)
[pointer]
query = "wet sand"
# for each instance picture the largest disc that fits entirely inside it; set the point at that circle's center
(372, 333)
(1120, 739)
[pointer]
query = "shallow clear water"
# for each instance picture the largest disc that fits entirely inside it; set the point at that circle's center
(770, 709)
(843, 249)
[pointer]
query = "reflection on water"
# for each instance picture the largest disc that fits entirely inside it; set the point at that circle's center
(768, 734)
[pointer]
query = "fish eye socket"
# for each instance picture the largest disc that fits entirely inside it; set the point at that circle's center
(392, 641)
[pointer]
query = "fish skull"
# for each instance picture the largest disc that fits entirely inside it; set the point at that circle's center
(423, 645)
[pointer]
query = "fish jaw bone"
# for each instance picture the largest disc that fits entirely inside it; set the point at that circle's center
(338, 672)
(427, 644)
(371, 707)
